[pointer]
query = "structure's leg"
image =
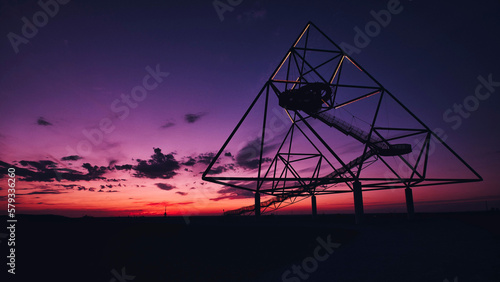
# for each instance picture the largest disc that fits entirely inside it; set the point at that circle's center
(257, 204)
(313, 204)
(358, 202)
(409, 202)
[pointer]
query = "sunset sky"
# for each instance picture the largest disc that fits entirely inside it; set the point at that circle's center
(85, 140)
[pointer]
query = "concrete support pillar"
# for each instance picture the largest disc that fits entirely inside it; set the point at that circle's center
(358, 202)
(409, 202)
(257, 203)
(313, 204)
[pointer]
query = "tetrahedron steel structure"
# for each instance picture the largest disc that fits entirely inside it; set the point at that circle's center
(321, 125)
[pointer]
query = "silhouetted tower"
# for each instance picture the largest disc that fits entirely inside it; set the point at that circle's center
(165, 214)
(326, 126)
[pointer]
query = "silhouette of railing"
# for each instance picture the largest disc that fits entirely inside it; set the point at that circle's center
(357, 161)
(349, 129)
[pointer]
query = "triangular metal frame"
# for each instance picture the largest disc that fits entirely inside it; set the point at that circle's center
(296, 59)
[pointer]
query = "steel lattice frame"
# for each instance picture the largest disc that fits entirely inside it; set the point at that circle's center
(287, 184)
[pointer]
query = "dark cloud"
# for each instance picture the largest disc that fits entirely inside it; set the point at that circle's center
(159, 204)
(95, 172)
(218, 170)
(41, 121)
(192, 118)
(40, 171)
(228, 154)
(40, 165)
(181, 193)
(112, 164)
(115, 180)
(47, 204)
(47, 191)
(165, 186)
(189, 162)
(222, 168)
(71, 158)
(248, 157)
(205, 158)
(123, 167)
(159, 166)
(232, 193)
(72, 187)
(48, 171)
(168, 204)
(168, 124)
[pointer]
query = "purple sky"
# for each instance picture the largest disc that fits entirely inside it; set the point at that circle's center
(62, 93)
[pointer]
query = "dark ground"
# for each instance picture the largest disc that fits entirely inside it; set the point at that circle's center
(387, 247)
